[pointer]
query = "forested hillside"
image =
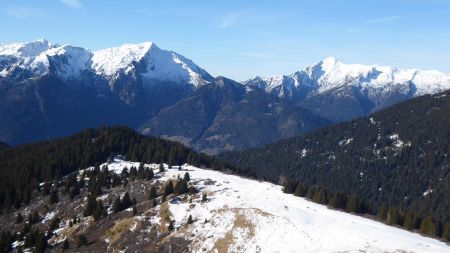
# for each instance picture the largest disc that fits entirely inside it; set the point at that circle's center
(22, 168)
(394, 163)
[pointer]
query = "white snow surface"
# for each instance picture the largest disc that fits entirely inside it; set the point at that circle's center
(330, 74)
(274, 221)
(159, 64)
(151, 62)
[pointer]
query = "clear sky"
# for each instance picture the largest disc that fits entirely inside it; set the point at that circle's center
(240, 39)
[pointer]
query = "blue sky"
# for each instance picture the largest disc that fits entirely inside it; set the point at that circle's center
(240, 39)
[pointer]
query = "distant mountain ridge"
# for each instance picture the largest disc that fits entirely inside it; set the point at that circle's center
(226, 115)
(48, 91)
(343, 92)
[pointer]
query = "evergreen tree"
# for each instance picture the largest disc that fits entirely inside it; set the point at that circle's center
(168, 189)
(300, 190)
(181, 187)
(66, 245)
(81, 240)
(53, 198)
(99, 211)
(190, 221)
(383, 211)
(410, 221)
(321, 196)
(161, 168)
(428, 226)
(204, 197)
(150, 174)
(91, 206)
(41, 243)
(353, 205)
(153, 193)
(171, 225)
(339, 200)
(186, 177)
(446, 232)
(126, 201)
(117, 205)
(74, 191)
(19, 218)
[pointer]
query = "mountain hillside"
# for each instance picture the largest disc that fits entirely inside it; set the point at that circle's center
(156, 208)
(226, 115)
(398, 157)
(24, 167)
(341, 92)
(48, 90)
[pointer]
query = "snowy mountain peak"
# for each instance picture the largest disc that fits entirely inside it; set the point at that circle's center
(155, 64)
(144, 60)
(27, 49)
(330, 74)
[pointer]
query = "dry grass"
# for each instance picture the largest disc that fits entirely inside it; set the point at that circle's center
(164, 214)
(240, 223)
(115, 233)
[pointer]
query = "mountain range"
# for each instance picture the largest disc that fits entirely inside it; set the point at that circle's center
(48, 90)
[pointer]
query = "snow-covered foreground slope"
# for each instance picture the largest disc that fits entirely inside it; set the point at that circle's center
(243, 215)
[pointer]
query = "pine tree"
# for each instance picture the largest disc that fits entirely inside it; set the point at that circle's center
(99, 210)
(153, 193)
(181, 187)
(339, 200)
(117, 205)
(300, 190)
(428, 226)
(186, 177)
(150, 174)
(190, 221)
(74, 191)
(91, 206)
(446, 232)
(353, 205)
(168, 189)
(81, 240)
(126, 201)
(41, 243)
(66, 245)
(410, 221)
(53, 198)
(383, 212)
(19, 218)
(161, 168)
(204, 197)
(171, 226)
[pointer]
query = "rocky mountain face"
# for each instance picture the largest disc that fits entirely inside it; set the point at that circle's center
(341, 92)
(47, 90)
(226, 115)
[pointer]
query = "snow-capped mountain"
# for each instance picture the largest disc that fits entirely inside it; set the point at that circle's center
(144, 60)
(38, 58)
(370, 87)
(48, 90)
(153, 62)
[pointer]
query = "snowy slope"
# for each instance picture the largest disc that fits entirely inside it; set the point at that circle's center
(150, 62)
(42, 57)
(331, 74)
(157, 64)
(244, 215)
